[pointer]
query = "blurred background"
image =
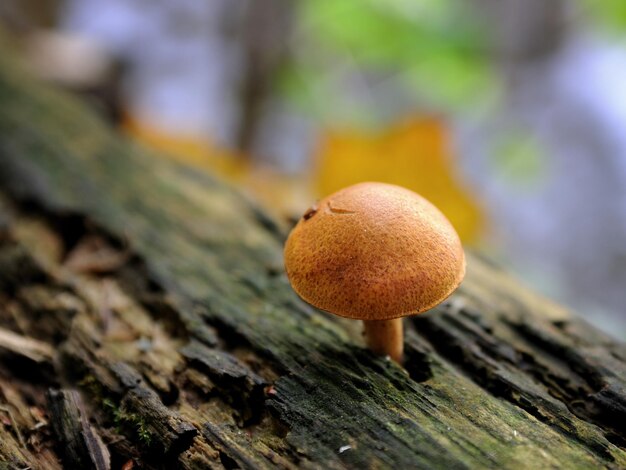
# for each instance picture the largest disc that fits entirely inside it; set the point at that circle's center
(509, 115)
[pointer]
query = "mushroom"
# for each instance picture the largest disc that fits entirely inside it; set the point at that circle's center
(375, 252)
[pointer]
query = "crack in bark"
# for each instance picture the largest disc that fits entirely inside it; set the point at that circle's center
(483, 357)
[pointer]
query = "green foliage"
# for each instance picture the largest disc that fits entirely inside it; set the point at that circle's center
(393, 32)
(609, 14)
(121, 419)
(434, 49)
(133, 421)
(124, 419)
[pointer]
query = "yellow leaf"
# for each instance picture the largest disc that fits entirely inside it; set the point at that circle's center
(189, 149)
(416, 154)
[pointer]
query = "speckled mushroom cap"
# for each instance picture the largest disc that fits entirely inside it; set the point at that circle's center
(374, 251)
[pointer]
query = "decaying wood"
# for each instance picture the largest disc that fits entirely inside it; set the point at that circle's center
(81, 446)
(189, 349)
(37, 351)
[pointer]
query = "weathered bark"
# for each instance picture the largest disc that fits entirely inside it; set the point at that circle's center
(80, 444)
(158, 294)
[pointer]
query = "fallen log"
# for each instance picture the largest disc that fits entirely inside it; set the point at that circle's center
(157, 329)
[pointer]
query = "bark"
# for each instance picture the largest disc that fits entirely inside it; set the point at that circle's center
(146, 317)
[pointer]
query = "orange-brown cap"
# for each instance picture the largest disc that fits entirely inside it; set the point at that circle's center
(374, 251)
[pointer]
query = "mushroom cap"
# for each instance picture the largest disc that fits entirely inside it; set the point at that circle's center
(374, 251)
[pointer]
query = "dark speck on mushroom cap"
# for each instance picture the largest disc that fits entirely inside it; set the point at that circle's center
(374, 251)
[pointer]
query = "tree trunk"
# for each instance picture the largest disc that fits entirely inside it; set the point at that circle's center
(145, 316)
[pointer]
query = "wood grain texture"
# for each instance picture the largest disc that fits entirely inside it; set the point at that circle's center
(80, 445)
(191, 350)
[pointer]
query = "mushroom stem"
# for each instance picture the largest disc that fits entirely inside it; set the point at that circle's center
(384, 337)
